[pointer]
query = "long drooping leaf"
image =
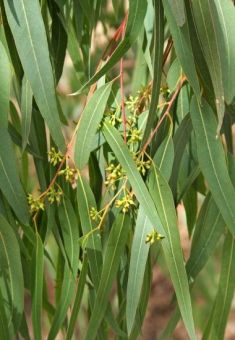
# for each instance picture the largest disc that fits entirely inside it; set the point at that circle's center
(138, 260)
(226, 18)
(78, 299)
(115, 245)
(69, 228)
(37, 287)
(4, 332)
(164, 156)
(180, 139)
(177, 8)
(163, 199)
(171, 245)
(89, 123)
(157, 66)
(137, 10)
(26, 110)
(211, 38)
(5, 76)
(9, 178)
(86, 201)
(209, 228)
(212, 161)
(11, 281)
(28, 30)
(218, 318)
(183, 48)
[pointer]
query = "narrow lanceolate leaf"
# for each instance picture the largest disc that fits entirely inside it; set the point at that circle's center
(211, 37)
(220, 312)
(137, 10)
(163, 199)
(4, 332)
(180, 139)
(164, 156)
(37, 287)
(89, 123)
(183, 48)
(212, 161)
(157, 66)
(113, 251)
(11, 280)
(5, 76)
(26, 110)
(177, 8)
(28, 30)
(171, 245)
(69, 228)
(138, 261)
(86, 201)
(226, 17)
(208, 230)
(78, 299)
(9, 178)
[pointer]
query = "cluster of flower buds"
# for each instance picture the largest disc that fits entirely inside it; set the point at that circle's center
(113, 116)
(134, 136)
(153, 237)
(95, 215)
(142, 165)
(54, 156)
(54, 195)
(125, 203)
(69, 174)
(114, 174)
(35, 204)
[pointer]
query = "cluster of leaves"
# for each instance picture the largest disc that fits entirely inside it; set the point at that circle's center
(107, 213)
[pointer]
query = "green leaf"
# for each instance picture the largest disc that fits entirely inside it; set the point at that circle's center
(171, 246)
(220, 312)
(157, 66)
(28, 30)
(113, 251)
(180, 139)
(26, 110)
(226, 17)
(4, 332)
(163, 199)
(9, 178)
(164, 156)
(137, 10)
(183, 48)
(89, 123)
(85, 201)
(209, 228)
(78, 299)
(69, 227)
(37, 287)
(5, 76)
(212, 161)
(138, 261)
(211, 39)
(177, 8)
(11, 280)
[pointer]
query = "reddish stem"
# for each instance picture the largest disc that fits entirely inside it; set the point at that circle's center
(166, 113)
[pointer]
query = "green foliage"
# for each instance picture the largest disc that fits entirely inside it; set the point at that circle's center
(96, 156)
